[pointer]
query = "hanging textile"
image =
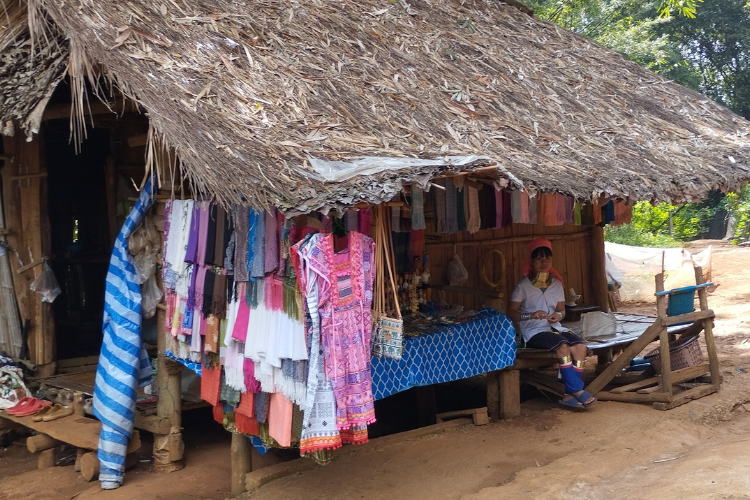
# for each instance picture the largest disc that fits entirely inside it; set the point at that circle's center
(345, 301)
(271, 242)
(211, 235)
(417, 210)
(257, 235)
(241, 218)
(559, 209)
(124, 364)
(533, 209)
(490, 207)
(515, 206)
(351, 220)
(451, 213)
(439, 205)
(609, 212)
(396, 219)
(577, 214)
(623, 213)
(218, 253)
(191, 253)
(474, 223)
(416, 246)
(365, 219)
(460, 209)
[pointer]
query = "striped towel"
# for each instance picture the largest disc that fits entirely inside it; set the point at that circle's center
(123, 363)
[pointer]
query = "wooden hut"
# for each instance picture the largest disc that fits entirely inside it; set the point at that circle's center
(235, 102)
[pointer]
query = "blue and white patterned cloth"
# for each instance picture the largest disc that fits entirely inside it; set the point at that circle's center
(457, 352)
(124, 364)
(191, 365)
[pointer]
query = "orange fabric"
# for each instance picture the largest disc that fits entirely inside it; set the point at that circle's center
(245, 424)
(247, 405)
(597, 213)
(280, 419)
(212, 334)
(211, 384)
(623, 213)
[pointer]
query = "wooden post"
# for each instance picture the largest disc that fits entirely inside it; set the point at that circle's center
(241, 462)
(493, 395)
(78, 400)
(46, 459)
(89, 466)
(708, 329)
(11, 324)
(41, 442)
(661, 312)
(510, 394)
(598, 276)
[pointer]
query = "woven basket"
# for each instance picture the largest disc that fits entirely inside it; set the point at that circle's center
(682, 353)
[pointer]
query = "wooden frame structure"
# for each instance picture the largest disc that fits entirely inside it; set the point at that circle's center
(664, 395)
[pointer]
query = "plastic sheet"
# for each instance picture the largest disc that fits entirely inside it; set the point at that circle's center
(151, 294)
(143, 245)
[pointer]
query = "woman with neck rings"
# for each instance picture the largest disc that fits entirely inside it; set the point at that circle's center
(537, 305)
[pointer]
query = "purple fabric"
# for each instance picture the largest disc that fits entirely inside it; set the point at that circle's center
(191, 255)
(200, 283)
(272, 242)
(190, 305)
(201, 252)
(498, 208)
(365, 216)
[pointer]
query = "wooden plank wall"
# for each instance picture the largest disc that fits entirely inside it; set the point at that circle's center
(25, 204)
(570, 243)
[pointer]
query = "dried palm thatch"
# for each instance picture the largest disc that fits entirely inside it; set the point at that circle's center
(245, 90)
(28, 75)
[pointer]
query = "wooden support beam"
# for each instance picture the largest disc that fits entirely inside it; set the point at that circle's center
(41, 442)
(633, 397)
(241, 462)
(625, 358)
(687, 396)
(510, 393)
(152, 423)
(708, 327)
(688, 317)
(46, 459)
(598, 272)
(493, 394)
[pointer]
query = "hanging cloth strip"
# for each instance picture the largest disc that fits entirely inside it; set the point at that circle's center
(460, 208)
(490, 209)
(124, 364)
(365, 219)
(218, 254)
(439, 206)
(210, 236)
(559, 209)
(203, 233)
(258, 236)
(516, 209)
(351, 220)
(570, 204)
(609, 212)
(241, 218)
(417, 209)
(475, 222)
(396, 219)
(533, 209)
(191, 253)
(451, 207)
(577, 214)
(271, 259)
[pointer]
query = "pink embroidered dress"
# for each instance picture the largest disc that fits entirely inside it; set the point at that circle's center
(345, 296)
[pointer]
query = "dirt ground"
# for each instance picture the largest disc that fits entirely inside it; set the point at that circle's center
(615, 450)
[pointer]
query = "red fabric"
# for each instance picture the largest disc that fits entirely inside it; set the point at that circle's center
(533, 245)
(219, 413)
(246, 425)
(211, 384)
(247, 404)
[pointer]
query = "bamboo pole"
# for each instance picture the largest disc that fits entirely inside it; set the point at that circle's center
(10, 321)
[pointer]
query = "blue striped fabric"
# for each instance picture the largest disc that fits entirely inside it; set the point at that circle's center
(123, 363)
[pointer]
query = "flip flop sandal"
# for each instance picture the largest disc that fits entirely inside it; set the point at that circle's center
(38, 415)
(22, 404)
(585, 396)
(571, 403)
(33, 407)
(58, 412)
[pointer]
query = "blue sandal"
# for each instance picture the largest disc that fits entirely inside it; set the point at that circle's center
(571, 403)
(585, 396)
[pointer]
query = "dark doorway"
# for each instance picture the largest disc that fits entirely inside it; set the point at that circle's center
(80, 237)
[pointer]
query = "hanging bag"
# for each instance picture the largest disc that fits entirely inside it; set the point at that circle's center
(388, 333)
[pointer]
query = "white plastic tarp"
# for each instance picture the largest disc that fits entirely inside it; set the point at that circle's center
(635, 268)
(338, 171)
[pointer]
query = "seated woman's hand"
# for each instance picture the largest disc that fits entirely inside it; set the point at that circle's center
(538, 315)
(554, 318)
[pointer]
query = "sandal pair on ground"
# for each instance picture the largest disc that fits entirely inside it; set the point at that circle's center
(41, 409)
(578, 402)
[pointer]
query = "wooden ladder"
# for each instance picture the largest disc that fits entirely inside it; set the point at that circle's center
(667, 390)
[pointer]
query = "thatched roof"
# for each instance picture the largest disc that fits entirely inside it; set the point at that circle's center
(244, 91)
